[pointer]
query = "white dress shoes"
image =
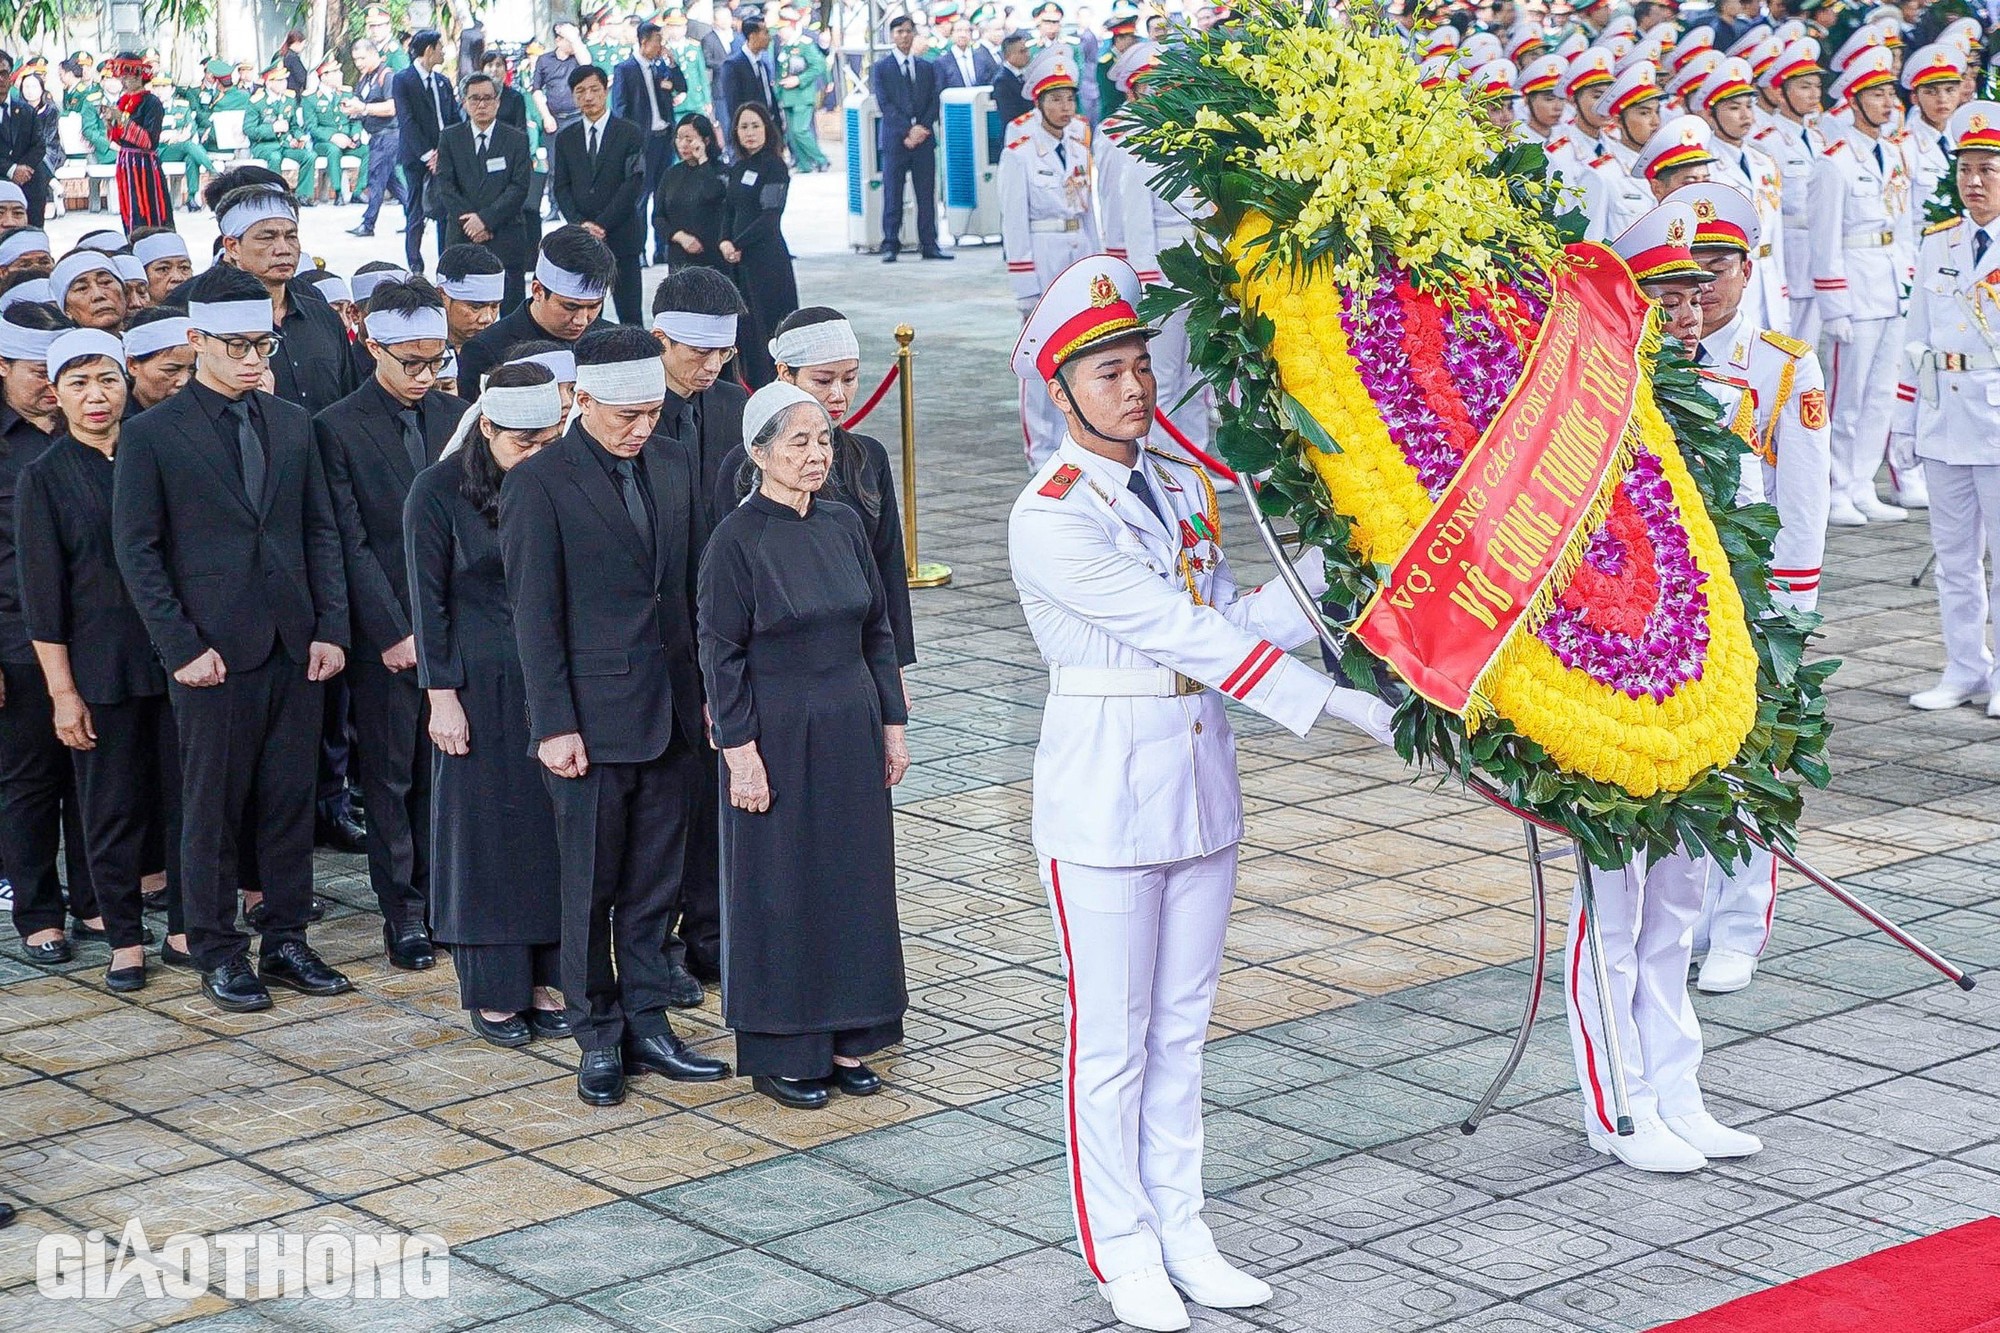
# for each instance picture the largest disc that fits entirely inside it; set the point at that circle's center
(1942, 696)
(1144, 1298)
(1841, 513)
(1216, 1283)
(1651, 1147)
(1914, 493)
(1724, 971)
(1875, 510)
(1711, 1138)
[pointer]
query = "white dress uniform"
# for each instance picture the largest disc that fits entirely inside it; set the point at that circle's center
(1756, 173)
(1047, 220)
(1115, 166)
(1796, 147)
(1949, 401)
(1864, 253)
(1137, 806)
(1930, 160)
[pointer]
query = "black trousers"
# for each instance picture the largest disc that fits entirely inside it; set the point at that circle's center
(628, 287)
(416, 215)
(659, 156)
(247, 748)
(621, 837)
(129, 779)
(392, 742)
(700, 924)
(39, 813)
(917, 166)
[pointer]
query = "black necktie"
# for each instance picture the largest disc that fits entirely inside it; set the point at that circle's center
(1062, 153)
(684, 424)
(1136, 483)
(1879, 166)
(635, 503)
(413, 439)
(1980, 240)
(593, 143)
(250, 449)
(482, 143)
(1700, 355)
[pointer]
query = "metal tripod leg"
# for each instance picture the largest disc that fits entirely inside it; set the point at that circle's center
(1541, 909)
(1587, 894)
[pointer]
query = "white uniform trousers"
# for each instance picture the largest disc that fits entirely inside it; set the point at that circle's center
(1142, 950)
(1861, 393)
(1965, 531)
(1646, 919)
(1737, 906)
(1174, 376)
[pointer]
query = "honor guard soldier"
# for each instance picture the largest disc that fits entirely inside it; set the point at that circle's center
(1634, 106)
(1773, 395)
(1612, 200)
(1116, 552)
(1864, 251)
(1541, 105)
(1492, 84)
(1046, 223)
(1948, 407)
(1934, 77)
(1676, 155)
(1123, 25)
(1728, 99)
(1793, 83)
(1646, 914)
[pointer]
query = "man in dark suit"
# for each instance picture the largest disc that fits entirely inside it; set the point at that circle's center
(228, 543)
(1010, 101)
(964, 64)
(425, 108)
(565, 301)
(598, 168)
(643, 89)
(597, 533)
(372, 445)
(23, 150)
(906, 96)
(483, 169)
(746, 78)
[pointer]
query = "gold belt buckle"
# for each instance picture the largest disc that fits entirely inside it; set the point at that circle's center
(1953, 360)
(1886, 238)
(1187, 684)
(1072, 224)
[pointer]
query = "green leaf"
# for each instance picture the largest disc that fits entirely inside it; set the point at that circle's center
(1302, 421)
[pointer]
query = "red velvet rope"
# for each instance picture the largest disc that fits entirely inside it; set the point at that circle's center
(853, 419)
(1215, 465)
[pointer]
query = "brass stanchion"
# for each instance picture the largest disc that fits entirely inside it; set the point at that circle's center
(921, 575)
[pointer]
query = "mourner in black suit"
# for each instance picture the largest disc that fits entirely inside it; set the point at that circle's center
(373, 443)
(643, 88)
(425, 108)
(108, 692)
(597, 536)
(565, 301)
(598, 171)
(228, 543)
(744, 78)
(514, 113)
(1010, 100)
(24, 155)
(474, 284)
(483, 170)
(906, 95)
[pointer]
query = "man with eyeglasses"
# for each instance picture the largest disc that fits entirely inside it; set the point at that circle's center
(483, 172)
(565, 301)
(373, 443)
(227, 541)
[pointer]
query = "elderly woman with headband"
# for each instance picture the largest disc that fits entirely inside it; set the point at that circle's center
(495, 888)
(108, 691)
(815, 349)
(807, 707)
(88, 289)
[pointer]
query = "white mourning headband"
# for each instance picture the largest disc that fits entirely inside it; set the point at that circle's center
(449, 370)
(19, 344)
(773, 400)
(106, 242)
(73, 266)
(561, 364)
(11, 193)
(363, 285)
(150, 250)
(24, 243)
(565, 283)
(692, 330)
(624, 383)
(129, 268)
(157, 336)
(816, 345)
(228, 318)
(264, 204)
(75, 344)
(479, 288)
(523, 407)
(35, 289)
(334, 289)
(406, 326)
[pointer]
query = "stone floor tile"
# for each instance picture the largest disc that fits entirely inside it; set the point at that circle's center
(939, 1152)
(1042, 1291)
(1360, 1110)
(904, 1245)
(1356, 1291)
(1792, 1242)
(1914, 1112)
(758, 1203)
(1661, 1211)
(1510, 1155)
(1809, 1160)
(599, 1247)
(742, 1292)
(1033, 1200)
(1641, 1293)
(1357, 1199)
(1929, 1198)
(1510, 1248)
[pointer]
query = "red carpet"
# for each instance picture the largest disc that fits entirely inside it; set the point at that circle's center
(1947, 1283)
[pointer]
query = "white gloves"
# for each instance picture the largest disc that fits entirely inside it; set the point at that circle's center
(1363, 711)
(1903, 452)
(1840, 328)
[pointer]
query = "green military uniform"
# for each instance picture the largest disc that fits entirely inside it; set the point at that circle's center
(82, 101)
(396, 57)
(1109, 99)
(277, 133)
(326, 124)
(804, 61)
(180, 140)
(700, 96)
(605, 55)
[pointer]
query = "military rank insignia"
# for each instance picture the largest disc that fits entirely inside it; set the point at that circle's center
(1812, 409)
(1059, 482)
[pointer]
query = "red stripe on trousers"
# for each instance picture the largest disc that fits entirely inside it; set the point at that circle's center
(1770, 909)
(1069, 1080)
(1583, 1028)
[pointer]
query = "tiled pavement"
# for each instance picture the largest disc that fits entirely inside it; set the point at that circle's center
(1374, 970)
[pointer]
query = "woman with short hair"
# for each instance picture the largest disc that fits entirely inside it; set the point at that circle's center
(753, 242)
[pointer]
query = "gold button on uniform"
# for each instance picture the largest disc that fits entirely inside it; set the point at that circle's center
(1197, 728)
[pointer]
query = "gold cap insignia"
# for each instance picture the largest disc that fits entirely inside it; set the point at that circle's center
(1704, 210)
(1103, 291)
(1676, 232)
(1977, 122)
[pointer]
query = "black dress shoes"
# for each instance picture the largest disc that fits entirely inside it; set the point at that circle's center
(294, 965)
(360, 231)
(801, 1094)
(235, 988)
(855, 1080)
(7, 1214)
(669, 1055)
(703, 968)
(173, 957)
(549, 1022)
(51, 954)
(341, 833)
(939, 254)
(600, 1077)
(256, 915)
(511, 1032)
(156, 901)
(125, 980)
(409, 947)
(683, 991)
(888, 256)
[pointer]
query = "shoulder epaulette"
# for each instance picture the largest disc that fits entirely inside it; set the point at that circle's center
(1946, 225)
(1016, 143)
(1786, 343)
(1021, 119)
(1059, 482)
(1158, 452)
(1833, 148)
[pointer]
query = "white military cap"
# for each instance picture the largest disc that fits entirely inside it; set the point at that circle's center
(1659, 247)
(1680, 142)
(1873, 68)
(1939, 62)
(1731, 78)
(1093, 301)
(1725, 218)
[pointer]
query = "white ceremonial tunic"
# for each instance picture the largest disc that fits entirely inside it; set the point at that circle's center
(1795, 148)
(1949, 399)
(1767, 302)
(1137, 815)
(1149, 224)
(1612, 199)
(1930, 160)
(1047, 223)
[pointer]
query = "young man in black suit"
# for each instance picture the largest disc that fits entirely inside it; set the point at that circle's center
(425, 109)
(597, 532)
(744, 78)
(483, 171)
(372, 444)
(1010, 102)
(598, 169)
(643, 88)
(906, 95)
(228, 543)
(565, 301)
